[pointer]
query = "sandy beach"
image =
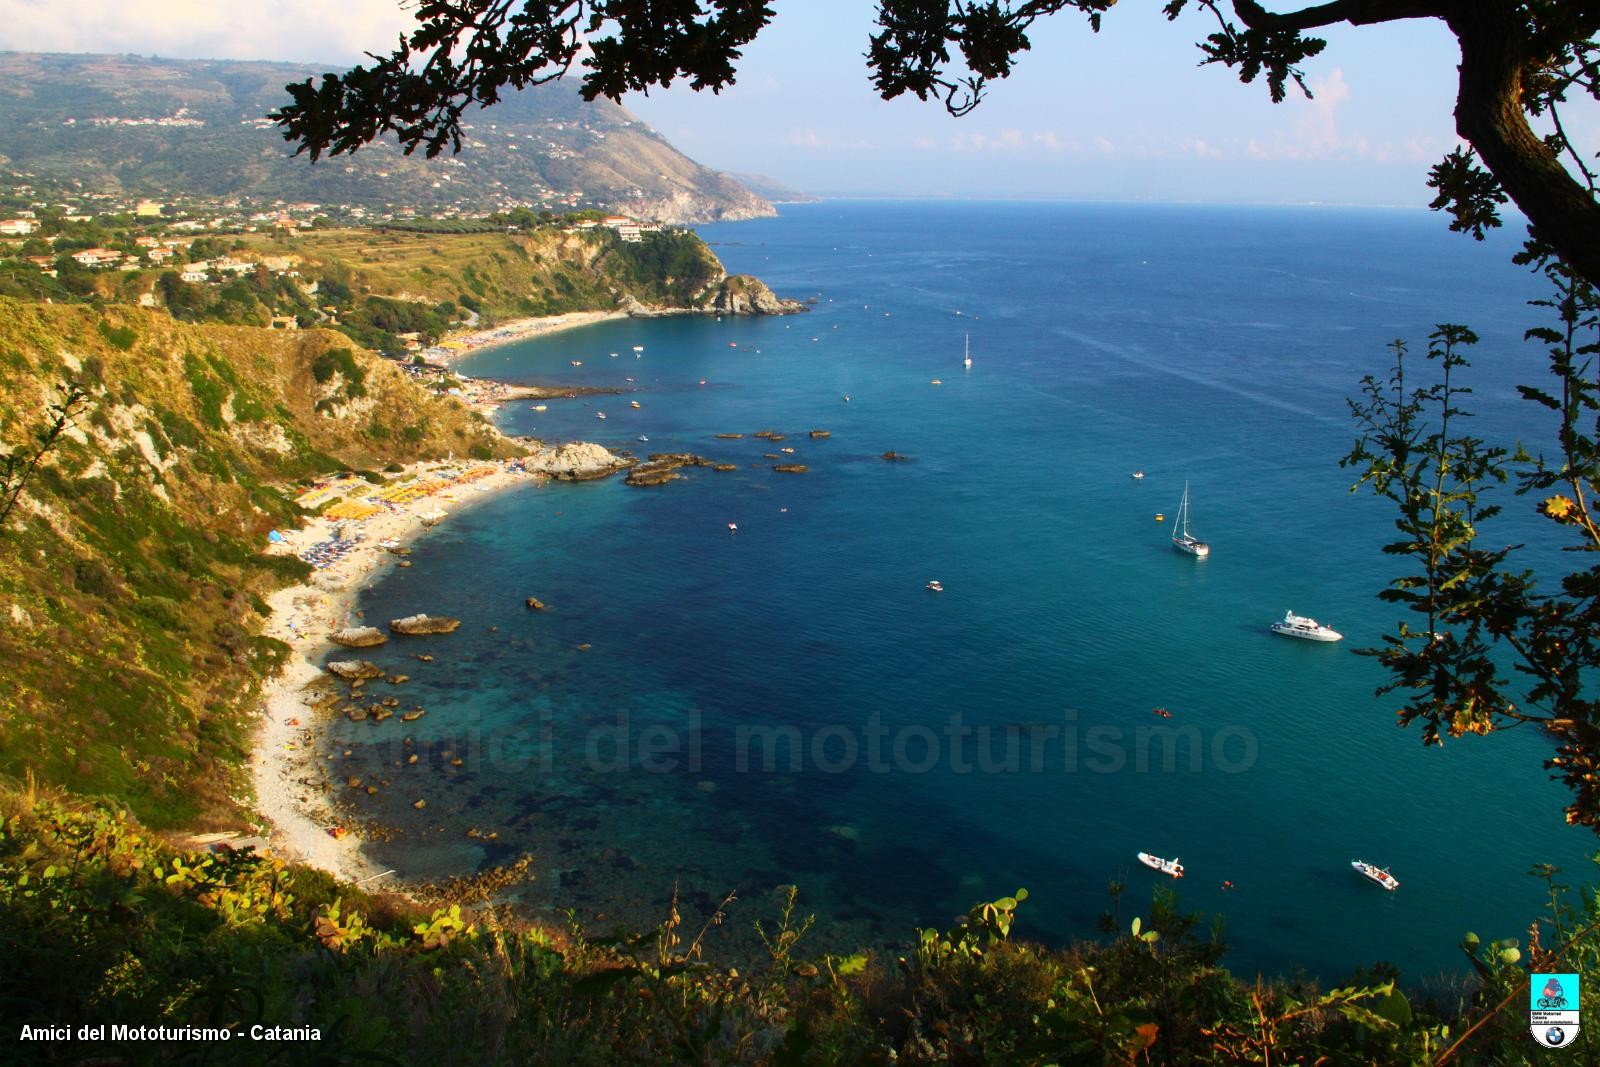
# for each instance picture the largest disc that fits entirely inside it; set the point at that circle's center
(457, 345)
(284, 763)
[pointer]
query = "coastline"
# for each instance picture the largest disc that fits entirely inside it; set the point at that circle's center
(296, 811)
(456, 345)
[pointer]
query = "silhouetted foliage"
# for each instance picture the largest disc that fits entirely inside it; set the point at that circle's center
(1520, 61)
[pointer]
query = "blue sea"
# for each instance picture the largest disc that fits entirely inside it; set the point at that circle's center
(704, 711)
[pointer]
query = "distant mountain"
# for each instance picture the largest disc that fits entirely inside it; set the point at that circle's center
(161, 127)
(772, 189)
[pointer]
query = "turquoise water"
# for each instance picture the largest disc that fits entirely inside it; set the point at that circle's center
(1201, 344)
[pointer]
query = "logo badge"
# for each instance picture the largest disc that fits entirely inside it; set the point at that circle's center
(1553, 1009)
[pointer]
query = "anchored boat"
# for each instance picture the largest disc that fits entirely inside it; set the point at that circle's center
(1181, 539)
(1172, 866)
(1377, 874)
(1292, 625)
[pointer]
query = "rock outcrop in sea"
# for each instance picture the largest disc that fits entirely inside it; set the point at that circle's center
(358, 637)
(579, 461)
(354, 670)
(425, 624)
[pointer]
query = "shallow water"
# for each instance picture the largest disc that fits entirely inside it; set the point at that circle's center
(954, 746)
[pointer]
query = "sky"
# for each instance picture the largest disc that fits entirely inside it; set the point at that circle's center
(1123, 115)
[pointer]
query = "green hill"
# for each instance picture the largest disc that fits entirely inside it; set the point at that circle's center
(161, 127)
(131, 574)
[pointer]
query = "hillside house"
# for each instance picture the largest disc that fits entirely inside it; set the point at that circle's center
(16, 227)
(96, 257)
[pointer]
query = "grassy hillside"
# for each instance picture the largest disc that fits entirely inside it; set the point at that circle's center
(546, 272)
(157, 127)
(376, 284)
(131, 573)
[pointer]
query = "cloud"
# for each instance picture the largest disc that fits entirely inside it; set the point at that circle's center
(1317, 130)
(822, 142)
(1008, 141)
(302, 30)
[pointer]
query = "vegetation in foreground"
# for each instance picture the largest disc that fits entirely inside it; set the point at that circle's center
(100, 922)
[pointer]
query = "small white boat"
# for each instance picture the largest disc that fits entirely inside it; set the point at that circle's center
(733, 526)
(1138, 476)
(936, 586)
(633, 404)
(1181, 539)
(847, 398)
(790, 451)
(541, 407)
(638, 348)
(643, 438)
(937, 381)
(599, 414)
(613, 355)
(966, 358)
(1171, 867)
(577, 363)
(1292, 625)
(1377, 874)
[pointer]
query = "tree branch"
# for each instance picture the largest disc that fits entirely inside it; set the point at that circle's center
(1355, 12)
(1490, 116)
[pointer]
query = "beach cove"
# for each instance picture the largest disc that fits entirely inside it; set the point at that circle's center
(1065, 608)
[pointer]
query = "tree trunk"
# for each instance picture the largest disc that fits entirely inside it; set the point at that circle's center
(1490, 116)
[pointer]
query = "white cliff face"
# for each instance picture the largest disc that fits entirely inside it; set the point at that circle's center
(725, 201)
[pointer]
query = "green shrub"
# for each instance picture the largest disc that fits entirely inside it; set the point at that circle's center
(122, 337)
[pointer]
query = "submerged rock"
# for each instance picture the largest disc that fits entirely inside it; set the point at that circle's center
(358, 637)
(895, 457)
(535, 603)
(817, 435)
(790, 468)
(424, 624)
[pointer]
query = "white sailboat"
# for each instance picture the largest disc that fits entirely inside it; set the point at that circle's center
(1181, 538)
(966, 359)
